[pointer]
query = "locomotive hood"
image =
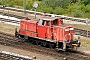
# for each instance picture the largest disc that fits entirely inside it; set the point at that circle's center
(64, 32)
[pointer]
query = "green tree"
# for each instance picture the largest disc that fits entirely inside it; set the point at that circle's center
(57, 3)
(85, 2)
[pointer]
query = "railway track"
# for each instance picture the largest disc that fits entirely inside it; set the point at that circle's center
(40, 13)
(80, 32)
(8, 20)
(9, 40)
(4, 56)
(12, 15)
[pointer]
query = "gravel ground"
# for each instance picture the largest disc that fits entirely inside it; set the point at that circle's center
(10, 29)
(26, 53)
(85, 45)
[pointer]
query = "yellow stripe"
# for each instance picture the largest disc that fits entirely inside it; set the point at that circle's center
(75, 44)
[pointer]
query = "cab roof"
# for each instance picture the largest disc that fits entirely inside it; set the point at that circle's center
(48, 18)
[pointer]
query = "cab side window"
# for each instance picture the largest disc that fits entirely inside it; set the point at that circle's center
(48, 23)
(55, 22)
(41, 22)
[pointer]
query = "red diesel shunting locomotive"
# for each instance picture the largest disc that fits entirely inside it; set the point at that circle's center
(51, 32)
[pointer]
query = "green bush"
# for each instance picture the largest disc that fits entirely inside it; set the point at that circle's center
(48, 10)
(11, 4)
(43, 8)
(66, 7)
(56, 3)
(86, 8)
(87, 15)
(59, 10)
(78, 13)
(73, 7)
(28, 6)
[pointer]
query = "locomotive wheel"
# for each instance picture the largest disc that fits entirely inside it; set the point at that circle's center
(51, 46)
(21, 38)
(31, 41)
(25, 37)
(41, 44)
(37, 42)
(44, 44)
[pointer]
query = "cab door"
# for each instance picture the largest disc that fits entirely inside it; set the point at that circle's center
(41, 29)
(48, 30)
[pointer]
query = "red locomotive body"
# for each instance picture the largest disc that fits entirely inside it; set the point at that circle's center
(49, 31)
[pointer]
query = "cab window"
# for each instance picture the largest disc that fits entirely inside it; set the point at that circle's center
(41, 22)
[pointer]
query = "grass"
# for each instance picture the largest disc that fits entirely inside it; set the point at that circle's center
(7, 28)
(85, 42)
(82, 26)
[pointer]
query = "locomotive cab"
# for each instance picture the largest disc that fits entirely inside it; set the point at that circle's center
(57, 31)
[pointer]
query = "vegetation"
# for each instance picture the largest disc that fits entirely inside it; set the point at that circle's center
(75, 8)
(7, 28)
(82, 26)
